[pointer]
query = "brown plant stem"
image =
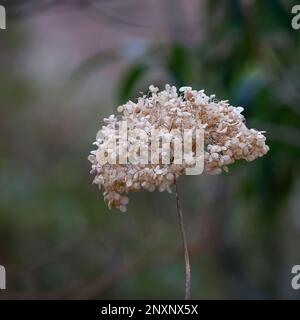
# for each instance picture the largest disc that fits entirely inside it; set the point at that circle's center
(184, 245)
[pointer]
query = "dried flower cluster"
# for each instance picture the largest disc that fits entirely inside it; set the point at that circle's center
(226, 139)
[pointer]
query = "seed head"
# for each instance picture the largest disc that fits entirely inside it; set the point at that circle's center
(226, 139)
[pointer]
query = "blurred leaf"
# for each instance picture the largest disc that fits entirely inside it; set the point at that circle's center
(179, 64)
(130, 79)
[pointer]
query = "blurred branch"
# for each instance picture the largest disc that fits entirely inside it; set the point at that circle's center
(20, 7)
(116, 15)
(105, 281)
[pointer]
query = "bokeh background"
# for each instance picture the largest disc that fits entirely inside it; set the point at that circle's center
(64, 65)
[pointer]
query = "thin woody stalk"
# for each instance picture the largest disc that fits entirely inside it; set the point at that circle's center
(226, 138)
(184, 246)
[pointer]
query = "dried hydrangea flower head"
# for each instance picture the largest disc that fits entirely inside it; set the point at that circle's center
(226, 139)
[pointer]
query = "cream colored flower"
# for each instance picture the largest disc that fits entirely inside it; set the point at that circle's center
(226, 139)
